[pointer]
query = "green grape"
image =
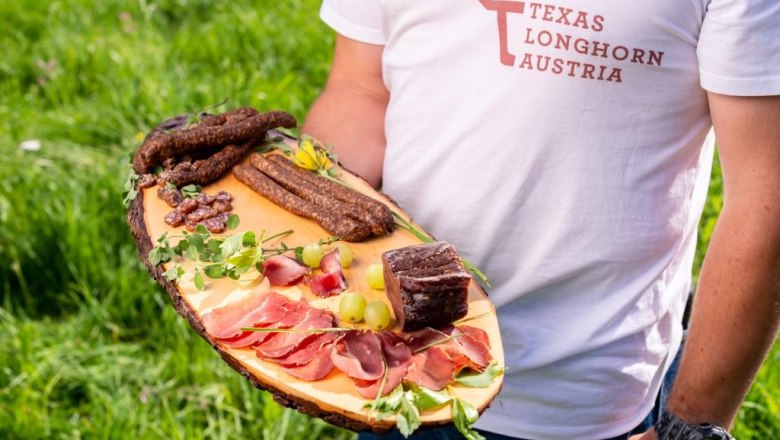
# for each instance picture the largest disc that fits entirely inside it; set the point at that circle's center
(352, 306)
(377, 315)
(345, 255)
(311, 255)
(375, 276)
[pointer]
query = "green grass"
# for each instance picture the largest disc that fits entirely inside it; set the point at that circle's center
(89, 346)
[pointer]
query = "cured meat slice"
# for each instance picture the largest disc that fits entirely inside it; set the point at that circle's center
(327, 284)
(432, 369)
(286, 316)
(466, 347)
(427, 336)
(225, 322)
(309, 350)
(426, 284)
(359, 355)
(281, 270)
(332, 281)
(319, 368)
(296, 311)
(282, 344)
(470, 343)
(331, 262)
(398, 357)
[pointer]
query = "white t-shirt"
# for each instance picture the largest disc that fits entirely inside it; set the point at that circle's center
(558, 145)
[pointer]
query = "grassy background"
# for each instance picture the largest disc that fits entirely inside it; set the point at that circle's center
(89, 346)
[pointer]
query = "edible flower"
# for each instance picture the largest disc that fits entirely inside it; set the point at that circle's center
(314, 157)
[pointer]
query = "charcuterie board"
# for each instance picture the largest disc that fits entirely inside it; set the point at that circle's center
(333, 398)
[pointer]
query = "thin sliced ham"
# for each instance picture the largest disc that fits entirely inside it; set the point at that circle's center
(270, 311)
(279, 314)
(331, 262)
(226, 322)
(424, 337)
(309, 350)
(468, 349)
(432, 369)
(332, 280)
(327, 284)
(359, 355)
(476, 333)
(398, 358)
(471, 344)
(284, 271)
(282, 344)
(319, 368)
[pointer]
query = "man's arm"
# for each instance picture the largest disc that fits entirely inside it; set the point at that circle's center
(736, 312)
(350, 112)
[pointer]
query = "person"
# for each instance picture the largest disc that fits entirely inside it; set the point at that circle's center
(560, 146)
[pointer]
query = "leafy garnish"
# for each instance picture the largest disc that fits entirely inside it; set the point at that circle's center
(425, 399)
(388, 405)
(162, 252)
(480, 380)
(464, 415)
(408, 400)
(275, 143)
(233, 221)
(174, 274)
(198, 279)
(191, 191)
(408, 418)
(130, 191)
(221, 256)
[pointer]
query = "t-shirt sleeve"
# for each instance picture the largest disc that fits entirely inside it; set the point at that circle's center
(359, 20)
(739, 48)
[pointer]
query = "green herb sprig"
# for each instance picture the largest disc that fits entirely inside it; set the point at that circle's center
(188, 191)
(221, 256)
(130, 188)
(408, 400)
(464, 415)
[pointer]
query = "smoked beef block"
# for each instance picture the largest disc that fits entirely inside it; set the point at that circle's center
(426, 284)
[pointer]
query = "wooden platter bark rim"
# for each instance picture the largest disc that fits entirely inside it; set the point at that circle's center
(137, 223)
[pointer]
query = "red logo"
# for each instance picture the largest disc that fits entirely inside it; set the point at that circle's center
(502, 8)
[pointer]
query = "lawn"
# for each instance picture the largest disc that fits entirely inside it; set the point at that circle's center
(89, 346)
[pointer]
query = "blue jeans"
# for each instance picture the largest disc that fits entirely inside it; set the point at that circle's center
(450, 433)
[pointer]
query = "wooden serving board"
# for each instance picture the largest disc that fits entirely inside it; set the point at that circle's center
(335, 398)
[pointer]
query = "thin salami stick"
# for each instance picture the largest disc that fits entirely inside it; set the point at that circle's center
(378, 210)
(168, 145)
(205, 171)
(311, 192)
(228, 117)
(344, 227)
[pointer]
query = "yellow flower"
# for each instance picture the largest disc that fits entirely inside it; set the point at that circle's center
(312, 157)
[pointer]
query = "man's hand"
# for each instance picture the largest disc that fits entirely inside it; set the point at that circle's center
(350, 112)
(736, 312)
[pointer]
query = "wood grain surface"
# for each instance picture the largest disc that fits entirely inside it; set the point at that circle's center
(335, 398)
